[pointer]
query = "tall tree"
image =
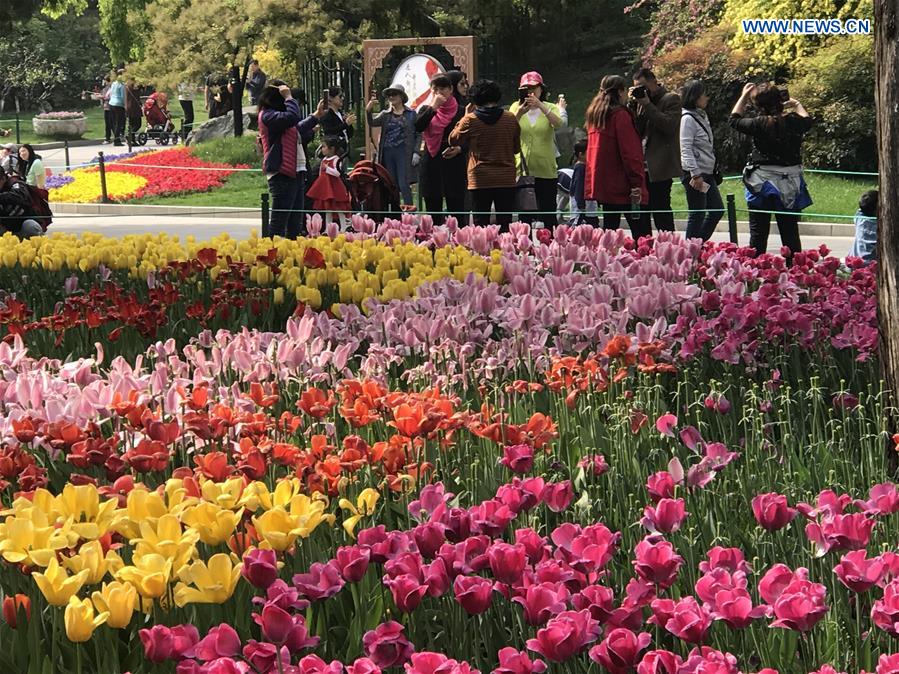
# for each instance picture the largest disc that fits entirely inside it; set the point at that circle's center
(886, 50)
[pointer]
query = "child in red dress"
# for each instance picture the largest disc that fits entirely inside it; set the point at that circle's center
(328, 192)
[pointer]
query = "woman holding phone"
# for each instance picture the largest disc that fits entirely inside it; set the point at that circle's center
(443, 168)
(697, 156)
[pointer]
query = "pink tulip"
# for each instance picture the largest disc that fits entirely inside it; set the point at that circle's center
(512, 661)
(659, 662)
(260, 568)
(518, 458)
(312, 664)
(427, 662)
(566, 635)
(827, 669)
(558, 496)
(656, 561)
(322, 581)
(660, 485)
(594, 465)
(717, 403)
(885, 612)
(474, 593)
(734, 608)
(729, 559)
(224, 666)
(597, 599)
(706, 659)
(507, 562)
(387, 646)
(428, 538)
(432, 499)
(691, 437)
(436, 577)
(352, 562)
(158, 643)
(716, 580)
(264, 657)
(883, 500)
(490, 518)
(620, 651)
(219, 642)
(858, 573)
(666, 424)
(363, 666)
(772, 512)
(840, 532)
(776, 579)
(689, 621)
(800, 606)
(407, 591)
(542, 602)
(534, 545)
(665, 517)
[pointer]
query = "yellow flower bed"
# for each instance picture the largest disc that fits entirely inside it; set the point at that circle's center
(86, 188)
(357, 270)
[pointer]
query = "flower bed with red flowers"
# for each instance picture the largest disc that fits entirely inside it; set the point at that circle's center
(660, 458)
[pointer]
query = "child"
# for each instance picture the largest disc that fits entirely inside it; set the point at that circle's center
(582, 211)
(156, 110)
(865, 244)
(328, 192)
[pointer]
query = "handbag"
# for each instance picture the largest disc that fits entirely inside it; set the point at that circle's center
(717, 176)
(525, 193)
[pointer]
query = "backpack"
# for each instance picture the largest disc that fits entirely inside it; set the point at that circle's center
(40, 206)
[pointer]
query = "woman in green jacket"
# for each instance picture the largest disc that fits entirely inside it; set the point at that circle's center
(31, 168)
(539, 120)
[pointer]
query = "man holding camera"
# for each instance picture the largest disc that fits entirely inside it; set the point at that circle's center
(658, 114)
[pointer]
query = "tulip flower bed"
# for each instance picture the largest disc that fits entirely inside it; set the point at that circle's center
(573, 456)
(160, 173)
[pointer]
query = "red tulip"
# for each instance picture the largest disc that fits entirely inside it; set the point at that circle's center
(620, 651)
(352, 562)
(543, 601)
(800, 606)
(474, 593)
(666, 517)
(566, 635)
(858, 573)
(772, 512)
(689, 621)
(313, 258)
(13, 606)
(512, 661)
(407, 591)
(507, 562)
(656, 561)
(518, 458)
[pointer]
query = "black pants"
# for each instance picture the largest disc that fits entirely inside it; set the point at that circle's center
(706, 208)
(760, 226)
(502, 198)
(288, 203)
(444, 179)
(118, 122)
(134, 124)
(188, 108)
(108, 123)
(545, 189)
(659, 200)
(611, 218)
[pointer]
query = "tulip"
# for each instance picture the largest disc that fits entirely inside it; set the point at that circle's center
(118, 600)
(428, 538)
(352, 562)
(771, 511)
(214, 581)
(158, 643)
(597, 599)
(473, 593)
(407, 591)
(518, 458)
(666, 424)
(312, 664)
(885, 612)
(667, 516)
(91, 557)
(734, 607)
(366, 503)
(260, 567)
(620, 651)
(543, 601)
(322, 581)
(150, 575)
(387, 646)
(858, 573)
(219, 642)
(716, 580)
(888, 664)
(659, 662)
(657, 562)
(80, 620)
(689, 621)
(56, 585)
(840, 532)
(363, 666)
(594, 465)
(660, 486)
(558, 497)
(512, 661)
(776, 579)
(566, 635)
(214, 524)
(507, 562)
(729, 559)
(800, 606)
(13, 606)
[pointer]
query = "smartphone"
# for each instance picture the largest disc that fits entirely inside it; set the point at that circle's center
(326, 97)
(522, 96)
(784, 94)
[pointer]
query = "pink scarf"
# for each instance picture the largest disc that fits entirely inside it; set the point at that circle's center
(434, 133)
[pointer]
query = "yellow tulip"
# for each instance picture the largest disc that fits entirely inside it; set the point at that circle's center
(167, 539)
(150, 575)
(29, 537)
(256, 496)
(213, 581)
(214, 525)
(278, 296)
(365, 505)
(91, 558)
(56, 585)
(81, 621)
(224, 494)
(276, 529)
(141, 506)
(117, 599)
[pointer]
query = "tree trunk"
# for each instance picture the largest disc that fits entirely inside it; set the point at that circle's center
(237, 99)
(886, 48)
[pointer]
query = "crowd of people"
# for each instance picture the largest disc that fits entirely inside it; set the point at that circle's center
(480, 162)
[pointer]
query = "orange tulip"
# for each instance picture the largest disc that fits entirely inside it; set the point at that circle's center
(11, 607)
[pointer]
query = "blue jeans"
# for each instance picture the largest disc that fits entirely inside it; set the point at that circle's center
(706, 210)
(395, 159)
(288, 200)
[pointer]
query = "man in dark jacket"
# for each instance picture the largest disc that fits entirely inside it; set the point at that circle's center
(658, 114)
(16, 212)
(256, 80)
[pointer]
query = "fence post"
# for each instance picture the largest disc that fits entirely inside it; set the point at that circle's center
(265, 216)
(18, 132)
(732, 217)
(104, 197)
(66, 147)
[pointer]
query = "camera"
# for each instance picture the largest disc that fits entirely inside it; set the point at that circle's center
(784, 94)
(639, 92)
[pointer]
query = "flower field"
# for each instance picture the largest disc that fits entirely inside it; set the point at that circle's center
(441, 451)
(142, 174)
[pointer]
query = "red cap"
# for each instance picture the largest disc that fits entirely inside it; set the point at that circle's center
(530, 79)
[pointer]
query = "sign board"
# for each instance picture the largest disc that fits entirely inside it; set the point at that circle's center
(414, 75)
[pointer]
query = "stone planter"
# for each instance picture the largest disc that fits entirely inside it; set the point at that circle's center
(60, 128)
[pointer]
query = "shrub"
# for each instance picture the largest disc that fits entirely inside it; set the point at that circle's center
(231, 151)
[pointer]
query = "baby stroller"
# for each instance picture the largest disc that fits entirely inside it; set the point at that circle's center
(160, 126)
(373, 190)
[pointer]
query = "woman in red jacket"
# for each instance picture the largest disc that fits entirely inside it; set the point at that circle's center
(614, 176)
